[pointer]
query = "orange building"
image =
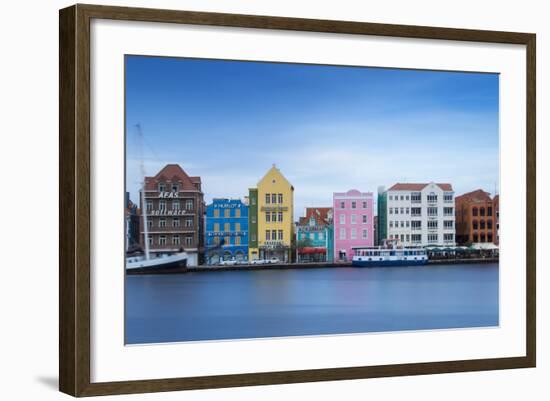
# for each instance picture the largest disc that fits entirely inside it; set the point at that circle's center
(476, 218)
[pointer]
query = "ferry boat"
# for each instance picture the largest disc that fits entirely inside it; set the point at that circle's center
(388, 255)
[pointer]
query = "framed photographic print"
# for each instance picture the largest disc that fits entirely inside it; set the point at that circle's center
(250, 200)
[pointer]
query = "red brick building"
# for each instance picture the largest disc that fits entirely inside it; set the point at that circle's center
(477, 218)
(174, 204)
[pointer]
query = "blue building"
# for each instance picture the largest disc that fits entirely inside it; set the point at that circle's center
(226, 234)
(314, 236)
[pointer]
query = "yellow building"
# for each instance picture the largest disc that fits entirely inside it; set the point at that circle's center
(274, 218)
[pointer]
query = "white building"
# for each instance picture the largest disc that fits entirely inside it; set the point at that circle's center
(421, 214)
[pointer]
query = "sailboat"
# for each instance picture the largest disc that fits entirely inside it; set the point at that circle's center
(145, 263)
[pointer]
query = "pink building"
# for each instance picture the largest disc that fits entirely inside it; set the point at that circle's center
(353, 222)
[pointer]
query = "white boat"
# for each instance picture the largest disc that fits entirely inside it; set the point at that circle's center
(145, 263)
(388, 255)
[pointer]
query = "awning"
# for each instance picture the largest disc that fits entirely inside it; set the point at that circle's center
(312, 250)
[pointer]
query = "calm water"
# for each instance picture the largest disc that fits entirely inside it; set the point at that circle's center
(273, 303)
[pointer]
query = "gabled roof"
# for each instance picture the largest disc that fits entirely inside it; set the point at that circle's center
(320, 214)
(276, 172)
(478, 195)
(418, 186)
(172, 173)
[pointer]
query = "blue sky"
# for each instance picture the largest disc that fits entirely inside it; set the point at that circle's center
(328, 128)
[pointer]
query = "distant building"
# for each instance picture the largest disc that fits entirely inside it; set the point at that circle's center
(132, 224)
(381, 218)
(353, 222)
(226, 234)
(272, 227)
(418, 214)
(175, 214)
(477, 218)
(314, 235)
(375, 230)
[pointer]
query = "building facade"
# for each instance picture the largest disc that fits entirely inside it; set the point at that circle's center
(381, 218)
(172, 206)
(274, 221)
(315, 236)
(131, 214)
(419, 214)
(477, 218)
(226, 235)
(353, 222)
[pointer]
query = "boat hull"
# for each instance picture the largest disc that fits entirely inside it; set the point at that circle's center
(388, 263)
(163, 267)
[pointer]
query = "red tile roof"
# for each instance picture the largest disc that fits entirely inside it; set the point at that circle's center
(478, 195)
(172, 173)
(320, 214)
(417, 187)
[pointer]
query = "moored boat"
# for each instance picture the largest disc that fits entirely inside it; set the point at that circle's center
(163, 264)
(389, 255)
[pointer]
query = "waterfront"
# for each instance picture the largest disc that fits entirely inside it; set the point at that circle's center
(294, 302)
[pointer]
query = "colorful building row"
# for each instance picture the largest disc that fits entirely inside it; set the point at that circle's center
(262, 226)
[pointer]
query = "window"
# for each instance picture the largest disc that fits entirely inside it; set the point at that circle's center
(237, 226)
(490, 237)
(407, 198)
(391, 197)
(175, 240)
(280, 216)
(353, 205)
(365, 218)
(432, 211)
(416, 238)
(475, 238)
(482, 224)
(408, 237)
(364, 204)
(365, 234)
(253, 237)
(267, 217)
(175, 222)
(227, 227)
(391, 223)
(162, 187)
(267, 235)
(342, 233)
(267, 198)
(402, 237)
(237, 240)
(311, 236)
(149, 223)
(401, 197)
(391, 210)
(407, 223)
(253, 219)
(216, 213)
(482, 211)
(162, 223)
(188, 240)
(189, 204)
(448, 237)
(474, 224)
(474, 211)
(407, 210)
(175, 188)
(321, 236)
(273, 198)
(227, 213)
(432, 224)
(150, 240)
(273, 235)
(342, 219)
(238, 212)
(227, 240)
(448, 224)
(253, 201)
(416, 211)
(353, 219)
(489, 224)
(416, 197)
(448, 197)
(162, 205)
(432, 198)
(280, 196)
(416, 224)
(176, 205)
(162, 240)
(149, 205)
(274, 216)
(432, 238)
(216, 227)
(489, 211)
(482, 238)
(342, 205)
(354, 233)
(402, 210)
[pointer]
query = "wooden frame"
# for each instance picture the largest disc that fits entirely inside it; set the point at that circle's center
(74, 204)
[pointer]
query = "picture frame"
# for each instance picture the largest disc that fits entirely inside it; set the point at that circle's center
(76, 205)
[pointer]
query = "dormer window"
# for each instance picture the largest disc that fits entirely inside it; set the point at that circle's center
(162, 187)
(175, 188)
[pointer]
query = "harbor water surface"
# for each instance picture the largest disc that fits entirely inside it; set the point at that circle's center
(296, 302)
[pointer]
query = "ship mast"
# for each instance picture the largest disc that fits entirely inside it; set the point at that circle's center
(143, 204)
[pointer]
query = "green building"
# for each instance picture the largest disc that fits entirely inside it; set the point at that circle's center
(382, 207)
(253, 223)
